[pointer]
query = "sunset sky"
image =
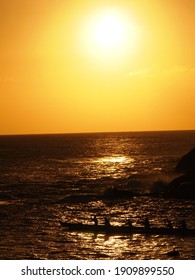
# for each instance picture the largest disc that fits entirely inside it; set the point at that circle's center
(91, 66)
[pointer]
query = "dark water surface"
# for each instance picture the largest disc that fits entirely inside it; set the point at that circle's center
(41, 177)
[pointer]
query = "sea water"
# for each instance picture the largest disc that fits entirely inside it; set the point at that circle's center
(48, 178)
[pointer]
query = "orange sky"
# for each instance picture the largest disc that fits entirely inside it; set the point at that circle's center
(56, 77)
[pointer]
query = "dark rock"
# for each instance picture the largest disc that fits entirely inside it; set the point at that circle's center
(181, 187)
(184, 185)
(187, 163)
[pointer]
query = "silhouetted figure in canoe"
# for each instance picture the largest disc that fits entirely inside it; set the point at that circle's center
(146, 223)
(169, 224)
(129, 223)
(106, 222)
(95, 220)
(183, 224)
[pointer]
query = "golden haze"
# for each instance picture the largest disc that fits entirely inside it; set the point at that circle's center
(56, 76)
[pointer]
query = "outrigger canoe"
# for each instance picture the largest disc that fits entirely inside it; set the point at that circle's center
(79, 227)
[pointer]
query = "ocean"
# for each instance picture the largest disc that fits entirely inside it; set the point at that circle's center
(45, 179)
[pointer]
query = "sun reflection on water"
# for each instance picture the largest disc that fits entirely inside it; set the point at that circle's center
(114, 159)
(114, 165)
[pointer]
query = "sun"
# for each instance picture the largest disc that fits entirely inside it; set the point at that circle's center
(109, 36)
(109, 31)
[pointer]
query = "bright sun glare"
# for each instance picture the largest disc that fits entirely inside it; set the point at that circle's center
(110, 32)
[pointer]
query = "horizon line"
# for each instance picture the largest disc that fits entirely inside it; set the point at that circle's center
(96, 132)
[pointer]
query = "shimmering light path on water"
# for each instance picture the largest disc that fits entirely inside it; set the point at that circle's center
(48, 178)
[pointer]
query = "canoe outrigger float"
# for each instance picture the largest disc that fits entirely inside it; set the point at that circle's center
(79, 227)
